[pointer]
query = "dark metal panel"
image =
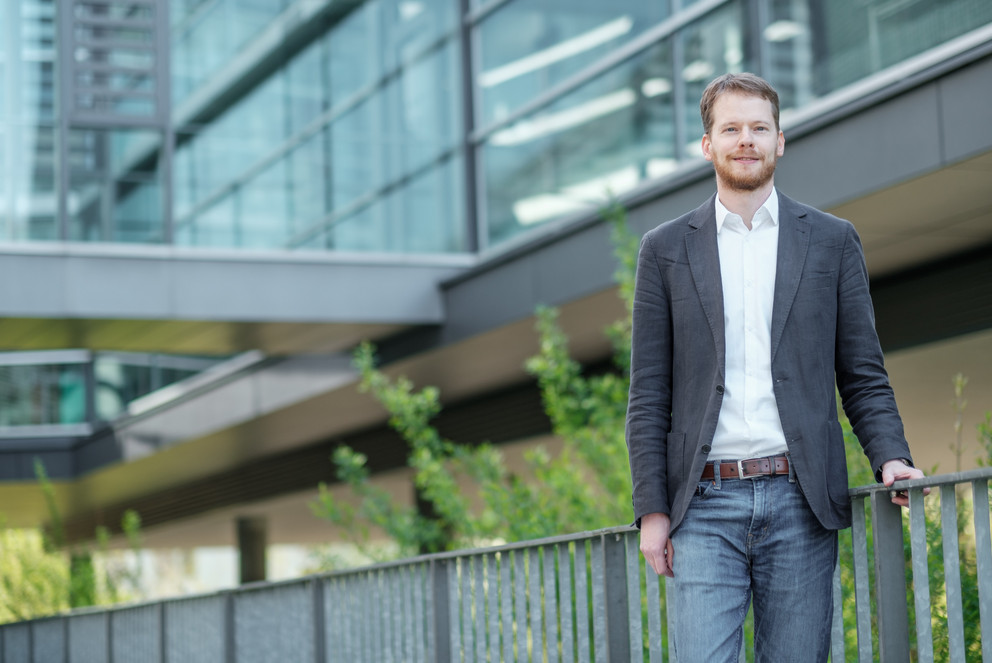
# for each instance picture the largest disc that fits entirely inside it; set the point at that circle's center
(882, 146)
(934, 302)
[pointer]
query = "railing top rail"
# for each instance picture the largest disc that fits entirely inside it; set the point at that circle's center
(925, 482)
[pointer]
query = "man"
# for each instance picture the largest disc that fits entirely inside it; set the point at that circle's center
(747, 311)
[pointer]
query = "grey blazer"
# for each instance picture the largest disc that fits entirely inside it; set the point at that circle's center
(823, 329)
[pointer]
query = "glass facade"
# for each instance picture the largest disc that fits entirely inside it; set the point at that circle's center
(354, 129)
(67, 388)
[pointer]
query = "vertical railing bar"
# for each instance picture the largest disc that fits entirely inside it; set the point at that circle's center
(566, 597)
(404, 617)
(382, 611)
(479, 606)
(230, 638)
(520, 597)
(653, 590)
(492, 597)
(387, 613)
(368, 615)
(581, 603)
(454, 611)
(550, 604)
(599, 601)
(338, 600)
(983, 562)
(862, 600)
(319, 622)
(411, 616)
(669, 618)
(921, 575)
(334, 642)
(837, 654)
(393, 622)
(421, 609)
(468, 624)
(437, 596)
(372, 617)
(468, 628)
(534, 596)
(891, 597)
(506, 604)
(357, 616)
(635, 628)
(952, 572)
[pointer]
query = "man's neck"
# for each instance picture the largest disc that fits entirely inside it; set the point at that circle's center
(744, 203)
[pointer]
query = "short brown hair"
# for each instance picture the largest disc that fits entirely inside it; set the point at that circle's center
(746, 84)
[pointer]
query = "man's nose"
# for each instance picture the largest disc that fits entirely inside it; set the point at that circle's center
(746, 137)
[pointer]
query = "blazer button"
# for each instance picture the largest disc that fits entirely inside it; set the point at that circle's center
(705, 448)
(719, 389)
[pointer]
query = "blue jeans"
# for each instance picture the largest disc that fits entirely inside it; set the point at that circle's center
(752, 539)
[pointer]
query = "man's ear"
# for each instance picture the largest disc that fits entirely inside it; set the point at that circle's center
(780, 150)
(707, 154)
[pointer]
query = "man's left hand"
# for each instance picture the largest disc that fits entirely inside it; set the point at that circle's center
(896, 470)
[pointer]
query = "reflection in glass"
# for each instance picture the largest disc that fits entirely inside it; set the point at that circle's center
(121, 378)
(114, 186)
(711, 47)
(42, 395)
(854, 39)
(601, 139)
(206, 34)
(426, 215)
(28, 197)
(262, 216)
(528, 46)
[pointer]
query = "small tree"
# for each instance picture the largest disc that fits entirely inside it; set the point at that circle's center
(39, 576)
(586, 486)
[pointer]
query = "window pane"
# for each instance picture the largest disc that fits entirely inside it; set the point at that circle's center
(28, 201)
(529, 46)
(42, 395)
(114, 189)
(603, 138)
(818, 46)
(263, 213)
(711, 47)
(424, 216)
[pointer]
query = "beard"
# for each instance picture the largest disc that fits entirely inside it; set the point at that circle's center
(748, 181)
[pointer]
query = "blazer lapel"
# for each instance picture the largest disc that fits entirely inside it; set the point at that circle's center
(704, 264)
(793, 243)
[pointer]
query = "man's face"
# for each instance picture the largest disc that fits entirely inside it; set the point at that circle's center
(743, 143)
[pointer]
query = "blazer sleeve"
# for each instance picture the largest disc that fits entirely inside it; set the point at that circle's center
(863, 383)
(649, 408)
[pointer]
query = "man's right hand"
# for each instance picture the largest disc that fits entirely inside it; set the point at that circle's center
(655, 544)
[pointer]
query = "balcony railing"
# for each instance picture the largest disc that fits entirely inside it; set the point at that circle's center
(582, 597)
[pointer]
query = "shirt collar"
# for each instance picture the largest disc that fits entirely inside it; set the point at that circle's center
(770, 206)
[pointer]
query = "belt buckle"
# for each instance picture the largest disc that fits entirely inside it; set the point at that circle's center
(740, 471)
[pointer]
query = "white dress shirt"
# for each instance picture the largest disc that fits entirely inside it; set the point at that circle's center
(749, 425)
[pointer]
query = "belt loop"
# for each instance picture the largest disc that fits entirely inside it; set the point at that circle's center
(717, 474)
(792, 469)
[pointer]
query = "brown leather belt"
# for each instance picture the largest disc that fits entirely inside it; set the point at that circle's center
(749, 468)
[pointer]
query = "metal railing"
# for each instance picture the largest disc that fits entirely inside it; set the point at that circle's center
(584, 597)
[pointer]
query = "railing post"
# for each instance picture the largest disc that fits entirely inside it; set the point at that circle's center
(319, 621)
(442, 610)
(890, 579)
(615, 581)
